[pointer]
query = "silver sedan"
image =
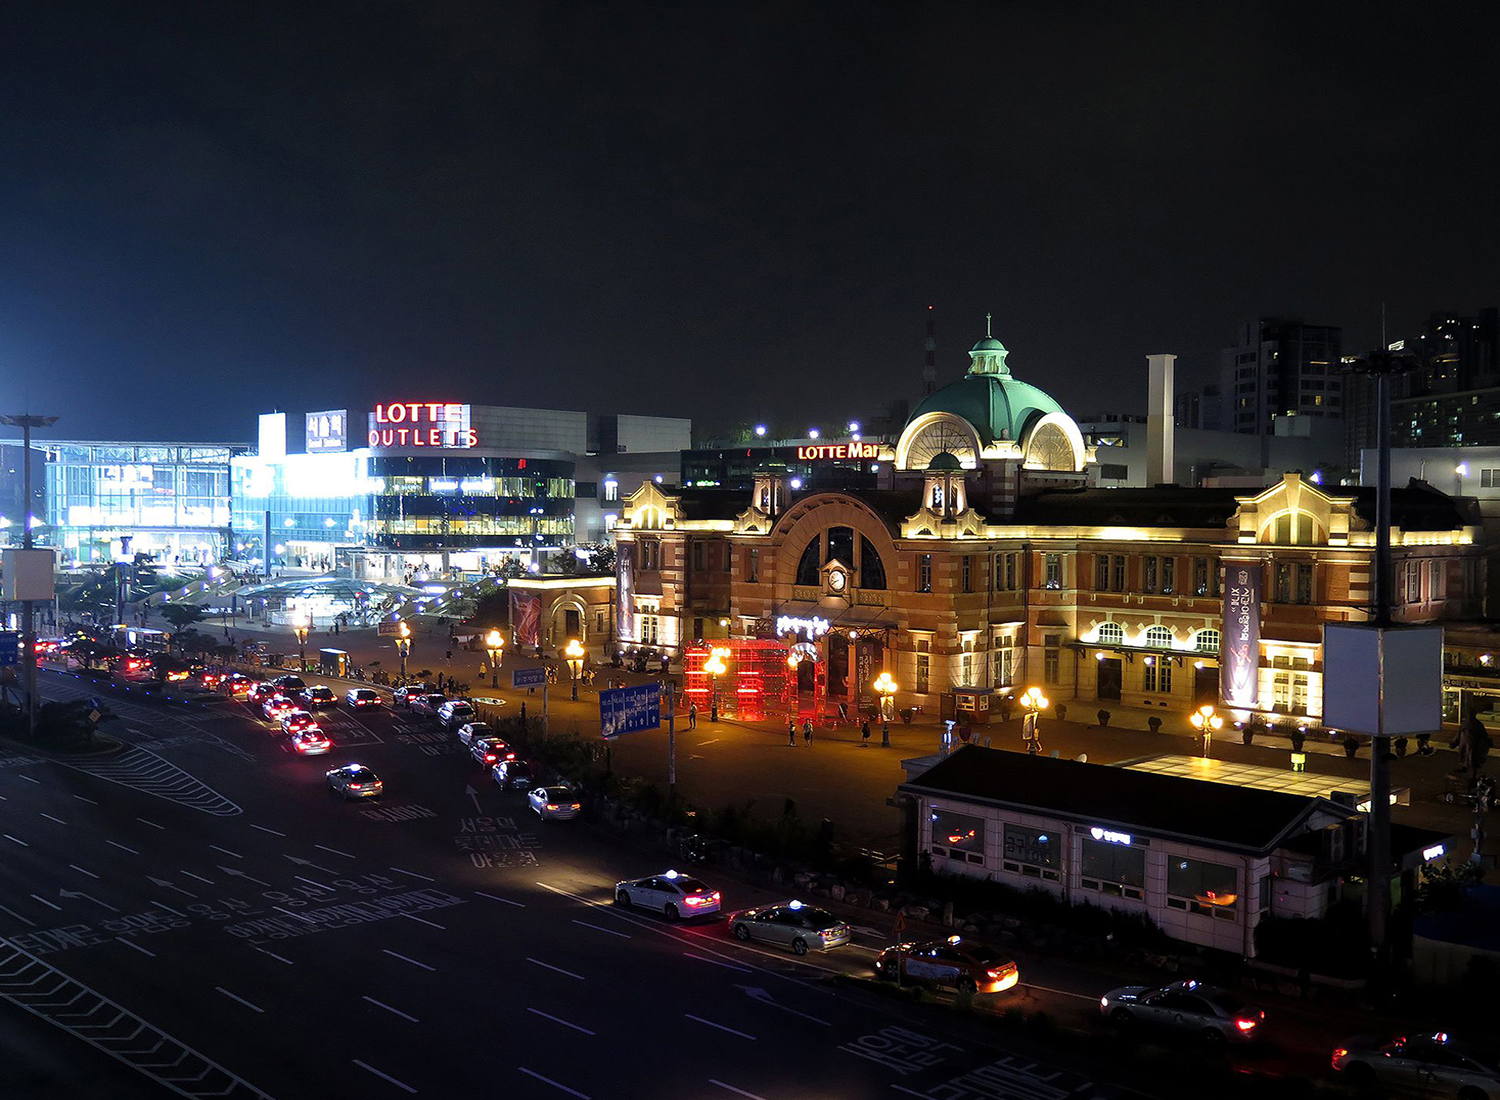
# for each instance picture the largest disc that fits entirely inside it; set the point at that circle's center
(802, 928)
(555, 803)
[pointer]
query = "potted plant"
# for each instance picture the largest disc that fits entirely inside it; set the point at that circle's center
(1351, 746)
(1154, 724)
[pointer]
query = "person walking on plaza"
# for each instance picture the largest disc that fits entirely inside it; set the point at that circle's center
(807, 730)
(864, 734)
(692, 716)
(791, 733)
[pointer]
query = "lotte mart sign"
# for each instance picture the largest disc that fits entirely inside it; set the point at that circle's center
(828, 451)
(422, 424)
(1239, 655)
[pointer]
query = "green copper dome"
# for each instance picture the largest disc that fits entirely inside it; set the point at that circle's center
(988, 397)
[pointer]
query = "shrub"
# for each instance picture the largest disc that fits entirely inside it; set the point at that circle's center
(1336, 944)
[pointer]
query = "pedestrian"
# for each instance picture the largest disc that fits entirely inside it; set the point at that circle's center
(448, 655)
(791, 733)
(523, 713)
(864, 734)
(807, 730)
(692, 716)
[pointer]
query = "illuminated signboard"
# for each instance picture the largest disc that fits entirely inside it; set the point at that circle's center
(1239, 657)
(839, 450)
(1109, 836)
(1430, 854)
(422, 424)
(327, 431)
(814, 628)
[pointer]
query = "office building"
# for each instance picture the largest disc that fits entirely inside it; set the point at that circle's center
(1280, 367)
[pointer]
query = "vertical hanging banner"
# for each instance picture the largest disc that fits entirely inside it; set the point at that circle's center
(526, 617)
(625, 592)
(1239, 654)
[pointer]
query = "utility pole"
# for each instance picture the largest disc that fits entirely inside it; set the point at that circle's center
(26, 421)
(670, 686)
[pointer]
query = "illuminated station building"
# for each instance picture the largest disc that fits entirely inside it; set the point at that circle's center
(984, 560)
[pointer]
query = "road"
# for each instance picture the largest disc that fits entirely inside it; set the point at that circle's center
(201, 911)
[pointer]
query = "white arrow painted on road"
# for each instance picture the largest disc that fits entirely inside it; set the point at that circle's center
(309, 863)
(473, 797)
(241, 874)
(865, 930)
(169, 886)
(755, 993)
(89, 897)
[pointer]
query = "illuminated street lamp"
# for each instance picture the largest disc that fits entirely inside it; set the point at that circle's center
(715, 667)
(1034, 702)
(885, 687)
(1205, 721)
(573, 651)
(300, 626)
(494, 646)
(403, 646)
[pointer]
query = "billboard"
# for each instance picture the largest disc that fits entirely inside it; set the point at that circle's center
(328, 431)
(629, 709)
(1383, 682)
(625, 591)
(422, 424)
(29, 574)
(526, 617)
(1239, 653)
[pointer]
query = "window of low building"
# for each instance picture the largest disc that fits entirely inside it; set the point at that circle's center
(1118, 869)
(1208, 889)
(957, 836)
(1035, 853)
(1110, 634)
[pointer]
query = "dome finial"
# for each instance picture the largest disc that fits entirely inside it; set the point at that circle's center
(987, 317)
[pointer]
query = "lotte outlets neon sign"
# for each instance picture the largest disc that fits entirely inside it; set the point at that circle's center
(422, 424)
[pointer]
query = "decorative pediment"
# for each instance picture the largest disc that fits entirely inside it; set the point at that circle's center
(931, 523)
(650, 508)
(1294, 512)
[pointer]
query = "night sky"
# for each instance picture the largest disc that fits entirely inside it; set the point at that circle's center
(711, 210)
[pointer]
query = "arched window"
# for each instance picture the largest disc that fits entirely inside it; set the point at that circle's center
(807, 567)
(1159, 637)
(840, 546)
(1293, 528)
(871, 568)
(1206, 641)
(1110, 634)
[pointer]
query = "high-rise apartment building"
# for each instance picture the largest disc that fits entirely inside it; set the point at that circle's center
(1281, 367)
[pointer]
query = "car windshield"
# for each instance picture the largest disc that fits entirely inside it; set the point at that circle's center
(820, 918)
(292, 682)
(692, 885)
(562, 794)
(360, 775)
(435, 700)
(478, 729)
(321, 693)
(364, 693)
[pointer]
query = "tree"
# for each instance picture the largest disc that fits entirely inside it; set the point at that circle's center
(590, 559)
(181, 615)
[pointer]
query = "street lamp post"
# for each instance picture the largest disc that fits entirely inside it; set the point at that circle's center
(573, 651)
(1205, 720)
(715, 667)
(26, 421)
(403, 646)
(494, 645)
(885, 687)
(1034, 702)
(300, 626)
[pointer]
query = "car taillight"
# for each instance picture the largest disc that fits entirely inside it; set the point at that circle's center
(1341, 1052)
(490, 758)
(356, 786)
(552, 805)
(1244, 1023)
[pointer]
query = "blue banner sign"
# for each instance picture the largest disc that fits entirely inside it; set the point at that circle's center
(629, 709)
(527, 677)
(10, 647)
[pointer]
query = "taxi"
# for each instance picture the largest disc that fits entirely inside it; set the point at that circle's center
(792, 924)
(676, 896)
(957, 963)
(308, 741)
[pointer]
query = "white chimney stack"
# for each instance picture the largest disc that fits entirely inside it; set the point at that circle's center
(1159, 421)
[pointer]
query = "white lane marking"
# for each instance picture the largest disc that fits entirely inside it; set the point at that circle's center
(558, 1020)
(1060, 992)
(424, 920)
(731, 1088)
(715, 962)
(135, 946)
(502, 901)
(90, 801)
(23, 920)
(200, 878)
(559, 969)
(403, 958)
(388, 1008)
(548, 1081)
(226, 851)
(384, 1076)
(600, 928)
(275, 956)
(18, 840)
(288, 912)
(335, 851)
(49, 817)
(123, 847)
(313, 882)
(263, 829)
(237, 997)
(168, 908)
(721, 1027)
(153, 824)
(715, 741)
(47, 903)
(29, 779)
(82, 871)
(413, 874)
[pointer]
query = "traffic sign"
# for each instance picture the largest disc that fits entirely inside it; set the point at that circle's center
(629, 709)
(10, 647)
(527, 677)
(388, 628)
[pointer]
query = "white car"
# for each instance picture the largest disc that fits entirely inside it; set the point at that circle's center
(470, 730)
(676, 896)
(362, 698)
(1419, 1065)
(455, 712)
(555, 803)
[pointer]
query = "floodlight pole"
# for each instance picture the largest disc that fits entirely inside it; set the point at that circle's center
(26, 421)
